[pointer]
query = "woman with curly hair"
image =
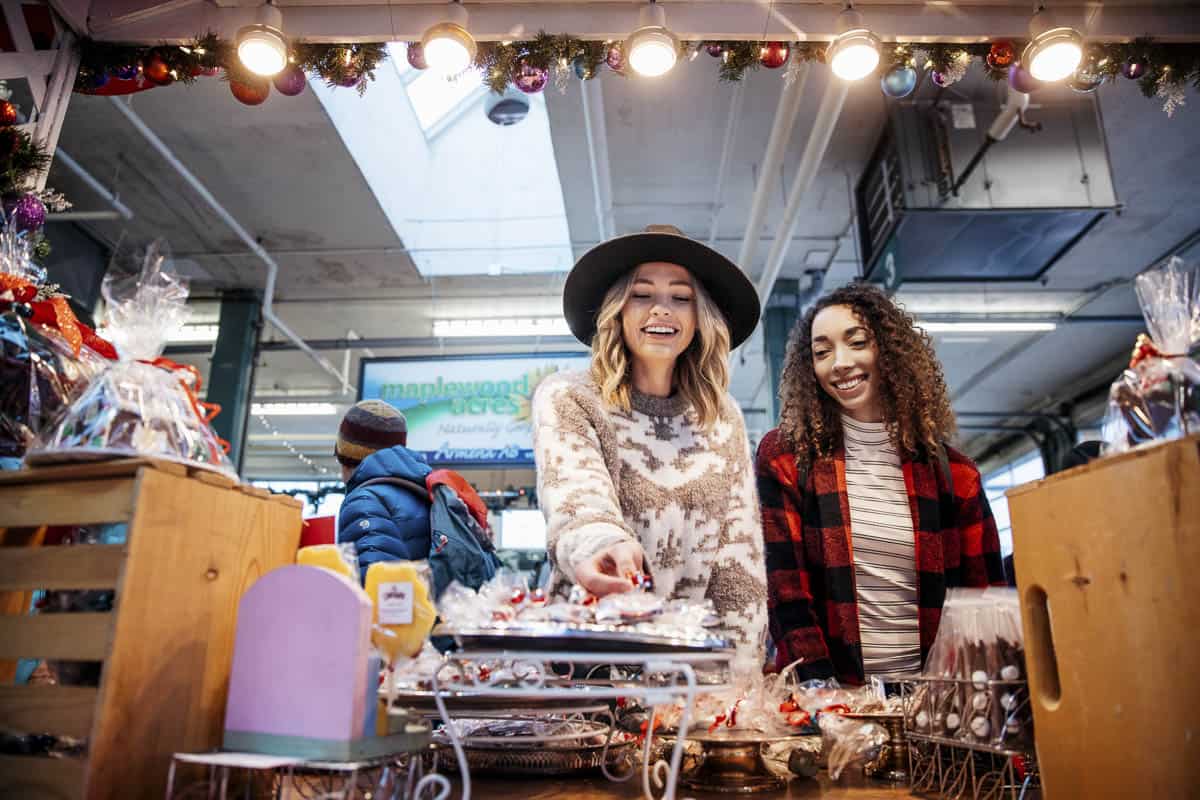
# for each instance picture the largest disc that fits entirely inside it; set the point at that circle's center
(868, 515)
(643, 462)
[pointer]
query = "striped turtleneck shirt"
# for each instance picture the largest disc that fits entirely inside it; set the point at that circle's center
(881, 528)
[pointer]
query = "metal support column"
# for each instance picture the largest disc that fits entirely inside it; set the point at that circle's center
(783, 308)
(231, 379)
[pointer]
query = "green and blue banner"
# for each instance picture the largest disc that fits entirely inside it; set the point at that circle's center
(470, 410)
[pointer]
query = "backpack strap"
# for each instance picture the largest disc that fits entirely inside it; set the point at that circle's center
(464, 490)
(404, 483)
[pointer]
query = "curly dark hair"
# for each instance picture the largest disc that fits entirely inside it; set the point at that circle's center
(916, 405)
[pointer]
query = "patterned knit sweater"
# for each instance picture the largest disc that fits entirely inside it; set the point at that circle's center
(651, 475)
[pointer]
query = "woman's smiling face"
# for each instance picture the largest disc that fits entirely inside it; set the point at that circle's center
(845, 360)
(658, 320)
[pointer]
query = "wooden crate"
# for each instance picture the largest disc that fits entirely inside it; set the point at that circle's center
(1108, 566)
(195, 543)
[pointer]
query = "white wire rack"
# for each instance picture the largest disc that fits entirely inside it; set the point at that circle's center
(544, 678)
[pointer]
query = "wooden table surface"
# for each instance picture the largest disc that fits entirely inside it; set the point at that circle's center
(595, 787)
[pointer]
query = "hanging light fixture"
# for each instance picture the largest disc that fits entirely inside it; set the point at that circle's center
(652, 50)
(261, 47)
(854, 53)
(448, 47)
(1053, 52)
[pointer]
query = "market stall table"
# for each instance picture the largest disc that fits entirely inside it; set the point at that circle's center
(596, 787)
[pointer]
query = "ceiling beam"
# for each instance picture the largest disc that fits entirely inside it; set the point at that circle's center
(731, 123)
(594, 126)
(814, 153)
(180, 21)
(777, 143)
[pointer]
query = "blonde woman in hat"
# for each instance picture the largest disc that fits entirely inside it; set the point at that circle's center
(643, 461)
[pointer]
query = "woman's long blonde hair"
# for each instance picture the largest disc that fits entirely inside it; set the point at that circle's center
(701, 371)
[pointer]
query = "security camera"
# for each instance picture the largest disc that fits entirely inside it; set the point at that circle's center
(508, 108)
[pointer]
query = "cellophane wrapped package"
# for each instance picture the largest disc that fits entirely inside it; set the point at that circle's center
(47, 356)
(979, 656)
(142, 405)
(1158, 397)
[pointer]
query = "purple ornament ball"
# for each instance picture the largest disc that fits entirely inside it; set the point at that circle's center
(528, 78)
(1021, 80)
(938, 78)
(127, 72)
(1134, 68)
(25, 211)
(291, 81)
(416, 55)
(714, 49)
(350, 81)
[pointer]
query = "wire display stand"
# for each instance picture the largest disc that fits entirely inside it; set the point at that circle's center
(999, 765)
(543, 680)
(257, 776)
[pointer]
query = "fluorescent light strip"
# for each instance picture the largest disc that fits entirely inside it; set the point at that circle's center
(195, 333)
(987, 327)
(294, 409)
(527, 326)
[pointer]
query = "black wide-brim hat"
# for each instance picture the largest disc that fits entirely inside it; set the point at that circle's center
(599, 268)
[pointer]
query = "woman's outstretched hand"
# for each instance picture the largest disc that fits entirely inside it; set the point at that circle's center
(611, 570)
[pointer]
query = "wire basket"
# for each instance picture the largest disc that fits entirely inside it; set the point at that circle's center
(548, 761)
(970, 739)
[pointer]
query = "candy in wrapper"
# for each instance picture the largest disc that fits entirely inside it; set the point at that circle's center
(1158, 397)
(143, 405)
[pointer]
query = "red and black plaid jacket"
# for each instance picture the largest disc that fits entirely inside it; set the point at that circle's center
(810, 568)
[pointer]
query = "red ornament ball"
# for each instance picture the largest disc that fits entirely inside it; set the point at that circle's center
(1001, 55)
(251, 92)
(157, 71)
(8, 113)
(774, 55)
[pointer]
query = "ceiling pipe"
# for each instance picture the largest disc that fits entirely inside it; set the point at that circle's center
(63, 157)
(559, 343)
(268, 310)
(735, 113)
(814, 153)
(81, 216)
(597, 142)
(781, 134)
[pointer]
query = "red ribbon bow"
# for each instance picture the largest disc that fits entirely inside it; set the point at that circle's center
(56, 313)
(192, 383)
(1145, 349)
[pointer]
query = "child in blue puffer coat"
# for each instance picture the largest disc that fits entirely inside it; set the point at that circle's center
(385, 522)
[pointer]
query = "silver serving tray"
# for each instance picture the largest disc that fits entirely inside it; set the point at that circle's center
(546, 761)
(576, 637)
(479, 700)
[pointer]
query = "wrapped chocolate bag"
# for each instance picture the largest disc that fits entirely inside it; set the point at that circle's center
(1158, 397)
(144, 404)
(47, 356)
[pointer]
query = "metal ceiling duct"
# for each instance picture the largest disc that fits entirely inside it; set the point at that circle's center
(1024, 203)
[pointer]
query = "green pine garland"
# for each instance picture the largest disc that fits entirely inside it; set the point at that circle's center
(21, 158)
(1169, 67)
(335, 63)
